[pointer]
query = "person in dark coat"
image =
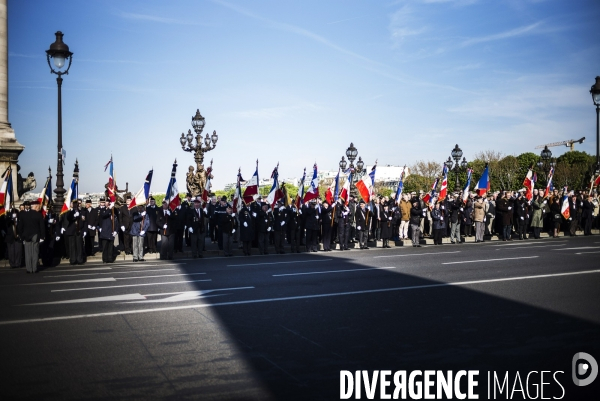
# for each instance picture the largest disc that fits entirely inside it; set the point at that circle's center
(522, 216)
(139, 226)
(362, 218)
(246, 229)
(326, 225)
(439, 223)
(264, 224)
(455, 211)
(14, 244)
(468, 216)
(48, 248)
(167, 223)
(556, 215)
(108, 222)
(311, 218)
(228, 227)
(386, 218)
(30, 228)
(89, 217)
(587, 215)
(152, 234)
(74, 233)
(573, 213)
(219, 214)
(280, 216)
(185, 205)
(195, 226)
(342, 218)
(504, 205)
(416, 214)
(125, 219)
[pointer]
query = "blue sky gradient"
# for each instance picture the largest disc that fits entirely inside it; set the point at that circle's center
(296, 82)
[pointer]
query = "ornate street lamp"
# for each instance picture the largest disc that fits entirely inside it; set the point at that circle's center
(197, 181)
(595, 91)
(456, 153)
(59, 53)
(343, 164)
(357, 172)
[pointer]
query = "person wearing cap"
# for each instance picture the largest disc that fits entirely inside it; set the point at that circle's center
(343, 219)
(455, 210)
(74, 233)
(405, 207)
(219, 213)
(386, 226)
(326, 225)
(468, 216)
(186, 205)
(166, 219)
(212, 219)
(14, 244)
(107, 230)
(375, 209)
(228, 227)
(30, 228)
(522, 215)
(139, 227)
(89, 217)
(505, 205)
(125, 218)
(438, 215)
(196, 228)
(246, 229)
(312, 225)
(152, 233)
(416, 214)
(362, 218)
(280, 219)
(264, 220)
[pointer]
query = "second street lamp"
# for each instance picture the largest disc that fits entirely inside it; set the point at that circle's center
(59, 53)
(595, 91)
(456, 153)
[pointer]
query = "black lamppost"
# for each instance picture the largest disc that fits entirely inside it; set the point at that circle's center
(595, 91)
(59, 53)
(456, 155)
(546, 161)
(357, 172)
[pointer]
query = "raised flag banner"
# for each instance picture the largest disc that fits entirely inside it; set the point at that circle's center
(465, 194)
(251, 187)
(6, 192)
(529, 183)
(275, 193)
(597, 181)
(111, 186)
(564, 207)
(206, 191)
(444, 189)
(172, 195)
(45, 197)
(430, 197)
(483, 185)
(300, 195)
(549, 184)
(332, 194)
(141, 197)
(238, 200)
(72, 194)
(400, 188)
(313, 189)
(345, 192)
(365, 187)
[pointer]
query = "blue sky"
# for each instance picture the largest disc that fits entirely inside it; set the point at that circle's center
(295, 82)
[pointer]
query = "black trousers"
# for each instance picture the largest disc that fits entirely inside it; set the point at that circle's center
(167, 243)
(197, 243)
(152, 238)
(344, 235)
(179, 240)
(246, 246)
(326, 238)
(263, 243)
(311, 240)
(127, 243)
(75, 249)
(362, 238)
(89, 244)
(279, 239)
(295, 239)
(212, 229)
(437, 236)
(15, 253)
(107, 250)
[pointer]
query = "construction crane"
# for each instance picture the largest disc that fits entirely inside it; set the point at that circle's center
(570, 143)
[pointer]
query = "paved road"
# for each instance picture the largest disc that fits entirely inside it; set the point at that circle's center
(283, 326)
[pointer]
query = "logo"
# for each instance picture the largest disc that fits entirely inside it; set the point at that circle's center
(584, 364)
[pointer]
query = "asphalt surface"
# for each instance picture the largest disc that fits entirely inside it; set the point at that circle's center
(284, 326)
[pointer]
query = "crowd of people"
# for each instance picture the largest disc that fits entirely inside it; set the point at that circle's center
(30, 236)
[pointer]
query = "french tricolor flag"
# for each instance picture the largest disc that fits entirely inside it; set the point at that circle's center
(444, 189)
(549, 185)
(345, 192)
(564, 208)
(366, 183)
(172, 195)
(72, 194)
(430, 197)
(111, 180)
(529, 183)
(331, 195)
(142, 195)
(313, 190)
(251, 187)
(465, 195)
(275, 193)
(483, 185)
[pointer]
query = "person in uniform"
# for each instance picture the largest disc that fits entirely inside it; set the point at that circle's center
(14, 244)
(386, 226)
(280, 218)
(30, 228)
(504, 207)
(89, 217)
(219, 213)
(74, 233)
(152, 233)
(326, 225)
(195, 224)
(228, 227)
(416, 214)
(167, 223)
(362, 218)
(265, 226)
(246, 229)
(376, 221)
(139, 226)
(125, 219)
(186, 205)
(439, 222)
(311, 217)
(342, 219)
(108, 222)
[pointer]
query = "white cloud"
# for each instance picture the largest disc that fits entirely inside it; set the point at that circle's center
(524, 30)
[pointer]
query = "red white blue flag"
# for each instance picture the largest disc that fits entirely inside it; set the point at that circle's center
(529, 183)
(111, 180)
(549, 186)
(313, 190)
(275, 193)
(484, 182)
(300, 196)
(143, 194)
(46, 196)
(430, 197)
(465, 195)
(6, 192)
(238, 199)
(366, 184)
(332, 194)
(444, 189)
(564, 208)
(72, 194)
(400, 186)
(345, 192)
(252, 187)
(172, 195)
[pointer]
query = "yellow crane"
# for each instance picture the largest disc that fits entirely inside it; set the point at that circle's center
(570, 143)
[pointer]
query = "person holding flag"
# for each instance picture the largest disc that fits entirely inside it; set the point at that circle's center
(30, 228)
(313, 189)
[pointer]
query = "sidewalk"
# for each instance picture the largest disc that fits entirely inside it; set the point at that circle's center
(213, 251)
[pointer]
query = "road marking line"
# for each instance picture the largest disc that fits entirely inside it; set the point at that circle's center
(533, 246)
(281, 263)
(333, 271)
(581, 247)
(129, 285)
(181, 292)
(95, 274)
(161, 275)
(126, 297)
(414, 254)
(78, 270)
(488, 260)
(525, 243)
(254, 301)
(89, 280)
(581, 253)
